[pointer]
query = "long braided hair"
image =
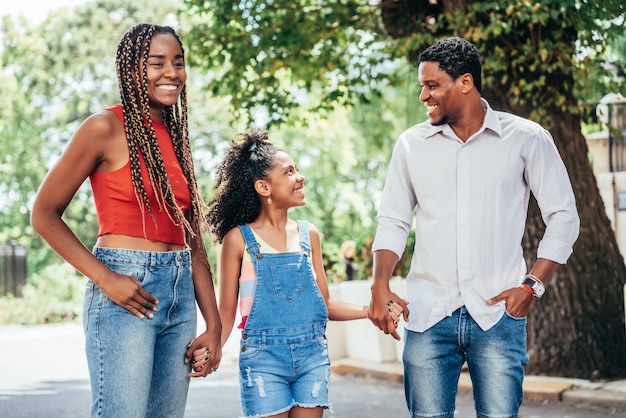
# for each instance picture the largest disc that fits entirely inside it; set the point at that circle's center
(131, 68)
(236, 201)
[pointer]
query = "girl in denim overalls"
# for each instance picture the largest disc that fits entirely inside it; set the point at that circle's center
(273, 266)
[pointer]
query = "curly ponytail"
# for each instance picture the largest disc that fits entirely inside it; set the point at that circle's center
(236, 202)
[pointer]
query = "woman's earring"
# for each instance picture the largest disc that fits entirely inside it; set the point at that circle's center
(269, 200)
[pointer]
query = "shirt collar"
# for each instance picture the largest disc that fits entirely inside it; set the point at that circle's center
(491, 122)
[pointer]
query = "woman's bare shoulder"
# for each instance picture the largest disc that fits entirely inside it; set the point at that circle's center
(102, 125)
(101, 137)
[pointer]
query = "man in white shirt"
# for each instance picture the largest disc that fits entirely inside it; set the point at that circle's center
(466, 176)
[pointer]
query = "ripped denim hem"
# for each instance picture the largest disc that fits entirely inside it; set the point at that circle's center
(280, 411)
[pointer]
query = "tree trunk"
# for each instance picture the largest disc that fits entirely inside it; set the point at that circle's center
(577, 329)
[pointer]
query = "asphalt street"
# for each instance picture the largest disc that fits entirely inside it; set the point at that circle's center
(43, 373)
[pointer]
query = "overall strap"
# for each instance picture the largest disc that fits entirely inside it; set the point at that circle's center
(305, 240)
(251, 242)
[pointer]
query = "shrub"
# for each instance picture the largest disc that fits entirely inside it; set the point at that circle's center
(55, 294)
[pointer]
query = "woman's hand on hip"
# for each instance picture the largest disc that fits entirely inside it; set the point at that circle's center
(126, 291)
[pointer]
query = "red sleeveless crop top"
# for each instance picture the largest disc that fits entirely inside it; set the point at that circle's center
(116, 204)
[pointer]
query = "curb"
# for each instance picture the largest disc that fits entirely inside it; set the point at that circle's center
(536, 388)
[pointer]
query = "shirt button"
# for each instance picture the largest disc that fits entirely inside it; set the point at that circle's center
(243, 349)
(245, 336)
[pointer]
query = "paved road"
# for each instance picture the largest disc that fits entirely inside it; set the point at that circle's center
(43, 374)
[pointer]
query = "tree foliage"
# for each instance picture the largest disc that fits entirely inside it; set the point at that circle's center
(51, 86)
(541, 60)
(55, 74)
(270, 52)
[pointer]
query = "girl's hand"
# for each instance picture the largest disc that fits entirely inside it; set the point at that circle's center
(385, 310)
(205, 355)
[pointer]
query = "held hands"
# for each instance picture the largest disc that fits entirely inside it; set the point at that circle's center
(386, 309)
(205, 354)
(126, 291)
(517, 301)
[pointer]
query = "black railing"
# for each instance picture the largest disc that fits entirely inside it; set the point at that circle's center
(12, 269)
(617, 135)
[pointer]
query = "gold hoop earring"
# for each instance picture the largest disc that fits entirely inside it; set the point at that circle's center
(269, 200)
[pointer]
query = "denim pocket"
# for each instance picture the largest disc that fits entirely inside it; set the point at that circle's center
(136, 271)
(322, 341)
(515, 318)
(88, 302)
(287, 279)
(250, 350)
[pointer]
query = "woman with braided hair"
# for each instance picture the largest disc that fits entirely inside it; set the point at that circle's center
(272, 267)
(149, 265)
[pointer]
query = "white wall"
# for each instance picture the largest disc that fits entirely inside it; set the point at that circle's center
(360, 339)
(612, 186)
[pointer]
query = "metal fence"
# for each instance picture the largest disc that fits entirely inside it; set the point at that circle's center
(12, 269)
(616, 121)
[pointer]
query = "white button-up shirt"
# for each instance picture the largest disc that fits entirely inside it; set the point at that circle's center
(470, 201)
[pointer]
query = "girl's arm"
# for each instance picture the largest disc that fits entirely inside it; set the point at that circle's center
(231, 256)
(337, 310)
(205, 297)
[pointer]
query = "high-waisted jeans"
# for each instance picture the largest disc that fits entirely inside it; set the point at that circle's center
(495, 359)
(137, 366)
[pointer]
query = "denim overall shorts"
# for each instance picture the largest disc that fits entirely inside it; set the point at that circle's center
(283, 360)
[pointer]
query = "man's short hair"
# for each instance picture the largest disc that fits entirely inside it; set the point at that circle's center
(455, 56)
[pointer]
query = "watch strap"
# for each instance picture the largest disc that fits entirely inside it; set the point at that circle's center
(530, 289)
(536, 285)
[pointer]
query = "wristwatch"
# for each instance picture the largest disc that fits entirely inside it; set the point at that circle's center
(536, 285)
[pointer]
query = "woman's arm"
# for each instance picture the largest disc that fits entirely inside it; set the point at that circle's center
(337, 310)
(96, 143)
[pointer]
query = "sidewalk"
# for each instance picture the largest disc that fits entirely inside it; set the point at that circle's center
(58, 386)
(536, 388)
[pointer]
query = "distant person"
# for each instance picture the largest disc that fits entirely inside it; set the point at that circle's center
(149, 259)
(465, 177)
(347, 253)
(272, 266)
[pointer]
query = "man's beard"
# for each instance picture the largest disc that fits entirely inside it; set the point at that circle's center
(442, 121)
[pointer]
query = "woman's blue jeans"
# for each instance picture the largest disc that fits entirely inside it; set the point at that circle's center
(137, 366)
(495, 359)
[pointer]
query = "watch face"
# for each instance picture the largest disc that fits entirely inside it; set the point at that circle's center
(539, 291)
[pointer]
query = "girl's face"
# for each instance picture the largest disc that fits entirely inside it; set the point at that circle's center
(286, 183)
(166, 74)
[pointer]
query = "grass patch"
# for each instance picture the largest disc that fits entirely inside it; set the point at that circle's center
(53, 295)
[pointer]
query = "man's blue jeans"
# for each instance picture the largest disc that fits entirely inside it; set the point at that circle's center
(495, 359)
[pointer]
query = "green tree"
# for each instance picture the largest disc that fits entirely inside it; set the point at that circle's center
(619, 48)
(55, 74)
(536, 57)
